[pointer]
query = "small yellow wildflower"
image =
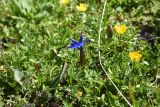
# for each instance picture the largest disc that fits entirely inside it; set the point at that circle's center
(135, 56)
(120, 29)
(82, 7)
(79, 93)
(65, 2)
(2, 68)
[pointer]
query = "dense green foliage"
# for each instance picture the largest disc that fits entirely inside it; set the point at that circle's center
(38, 69)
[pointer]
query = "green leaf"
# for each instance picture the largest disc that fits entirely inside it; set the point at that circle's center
(59, 77)
(19, 77)
(64, 70)
(55, 81)
(23, 7)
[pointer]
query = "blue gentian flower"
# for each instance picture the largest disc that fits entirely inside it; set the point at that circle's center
(79, 44)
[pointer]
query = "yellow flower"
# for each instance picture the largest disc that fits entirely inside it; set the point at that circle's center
(135, 56)
(82, 7)
(65, 2)
(2, 68)
(120, 28)
(79, 93)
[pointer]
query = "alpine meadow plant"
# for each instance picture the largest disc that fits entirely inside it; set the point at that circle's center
(79, 93)
(135, 56)
(79, 45)
(82, 7)
(120, 29)
(64, 2)
(38, 63)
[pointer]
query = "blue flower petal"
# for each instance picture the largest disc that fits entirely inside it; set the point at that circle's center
(79, 44)
(86, 41)
(74, 46)
(81, 39)
(74, 42)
